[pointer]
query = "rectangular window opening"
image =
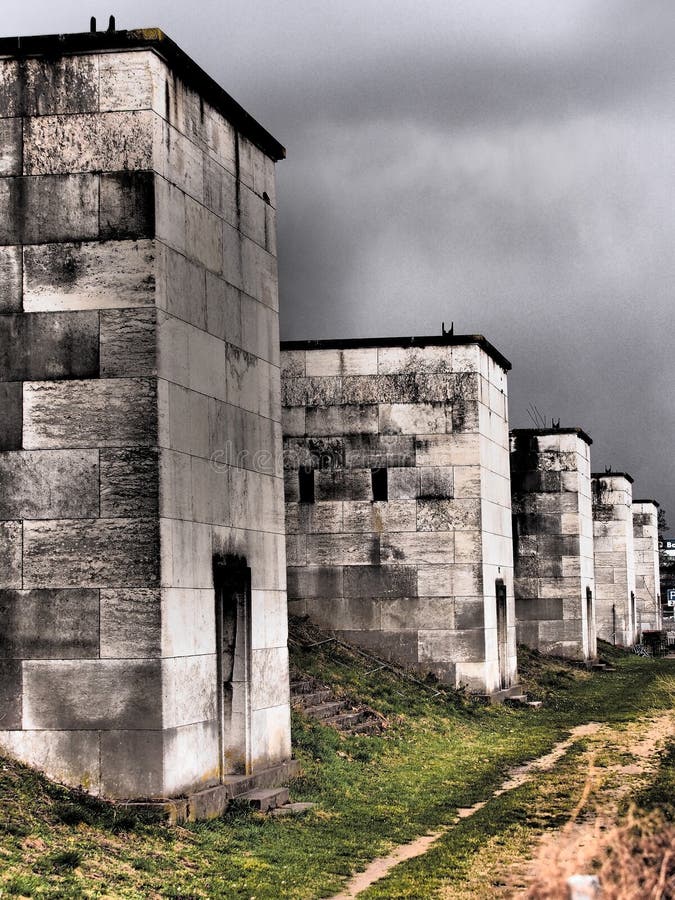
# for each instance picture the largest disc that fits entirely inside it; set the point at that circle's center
(380, 487)
(306, 483)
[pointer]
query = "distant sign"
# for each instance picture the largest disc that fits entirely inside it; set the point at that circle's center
(671, 596)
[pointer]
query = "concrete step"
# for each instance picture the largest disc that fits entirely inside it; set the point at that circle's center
(519, 699)
(311, 699)
(265, 799)
(370, 726)
(326, 710)
(292, 809)
(306, 686)
(346, 720)
(535, 704)
(236, 785)
(497, 697)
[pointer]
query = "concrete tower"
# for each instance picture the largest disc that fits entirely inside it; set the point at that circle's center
(142, 568)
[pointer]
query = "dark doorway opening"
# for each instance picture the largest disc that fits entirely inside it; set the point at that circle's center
(379, 483)
(232, 582)
(306, 484)
(502, 633)
(589, 621)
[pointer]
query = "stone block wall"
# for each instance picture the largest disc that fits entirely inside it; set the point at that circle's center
(614, 557)
(139, 380)
(554, 581)
(647, 577)
(404, 563)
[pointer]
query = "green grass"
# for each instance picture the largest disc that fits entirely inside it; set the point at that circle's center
(437, 754)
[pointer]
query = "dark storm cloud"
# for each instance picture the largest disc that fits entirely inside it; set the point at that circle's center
(510, 166)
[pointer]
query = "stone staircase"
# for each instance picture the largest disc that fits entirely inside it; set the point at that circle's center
(317, 701)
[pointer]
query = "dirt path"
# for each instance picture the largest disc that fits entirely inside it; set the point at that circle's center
(570, 850)
(616, 761)
(378, 868)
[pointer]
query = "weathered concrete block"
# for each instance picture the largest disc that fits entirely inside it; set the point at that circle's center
(40, 347)
(342, 549)
(437, 483)
(337, 420)
(180, 161)
(379, 517)
(11, 693)
(127, 205)
(259, 273)
(223, 310)
(253, 219)
(9, 88)
(259, 330)
(11, 549)
(10, 280)
(313, 518)
(269, 677)
(334, 362)
(203, 236)
(181, 287)
(11, 415)
(315, 581)
(129, 482)
(129, 764)
(220, 191)
(10, 147)
(335, 485)
(170, 215)
(188, 626)
(91, 553)
(49, 484)
(293, 364)
(448, 450)
(48, 624)
(448, 515)
(191, 758)
(415, 418)
(102, 413)
(108, 142)
(131, 81)
(47, 208)
(404, 483)
(311, 391)
(128, 342)
(90, 694)
(99, 275)
(418, 548)
(372, 451)
(58, 85)
(68, 757)
(400, 360)
(189, 690)
(380, 581)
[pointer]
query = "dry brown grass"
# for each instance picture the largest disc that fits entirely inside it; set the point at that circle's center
(634, 861)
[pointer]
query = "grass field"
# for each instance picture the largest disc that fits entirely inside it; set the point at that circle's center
(437, 754)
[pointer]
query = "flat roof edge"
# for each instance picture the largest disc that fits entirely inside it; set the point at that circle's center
(437, 340)
(551, 431)
(654, 502)
(625, 475)
(155, 39)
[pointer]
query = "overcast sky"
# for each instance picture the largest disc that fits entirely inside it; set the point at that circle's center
(506, 164)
